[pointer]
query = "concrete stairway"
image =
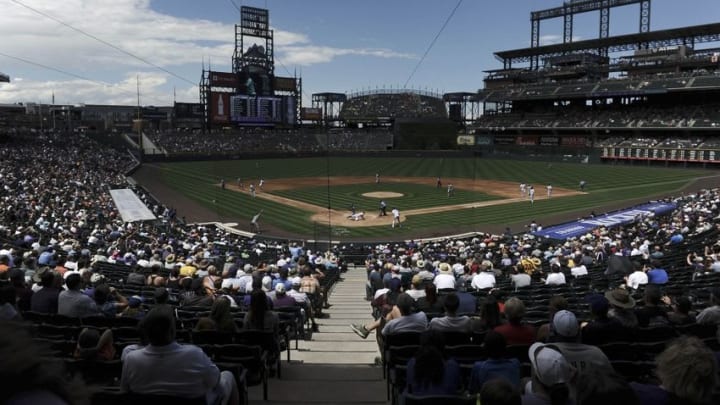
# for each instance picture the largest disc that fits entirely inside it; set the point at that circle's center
(334, 365)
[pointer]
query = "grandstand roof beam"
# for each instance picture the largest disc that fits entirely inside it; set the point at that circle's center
(676, 36)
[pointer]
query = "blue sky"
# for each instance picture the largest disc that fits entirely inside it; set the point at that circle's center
(335, 45)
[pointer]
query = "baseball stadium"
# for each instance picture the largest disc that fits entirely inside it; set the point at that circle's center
(553, 237)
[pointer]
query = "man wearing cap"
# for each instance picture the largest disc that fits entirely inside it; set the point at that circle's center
(602, 329)
(657, 275)
(566, 334)
(484, 279)
(551, 375)
(622, 305)
(445, 279)
(281, 299)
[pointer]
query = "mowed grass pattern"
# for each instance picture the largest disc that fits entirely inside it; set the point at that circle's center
(605, 184)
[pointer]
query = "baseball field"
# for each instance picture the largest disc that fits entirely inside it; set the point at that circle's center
(313, 197)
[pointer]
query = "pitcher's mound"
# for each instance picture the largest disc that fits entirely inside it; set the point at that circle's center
(382, 194)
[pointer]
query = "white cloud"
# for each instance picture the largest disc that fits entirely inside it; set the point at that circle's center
(176, 44)
(309, 55)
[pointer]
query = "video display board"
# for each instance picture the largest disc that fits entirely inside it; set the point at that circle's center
(255, 84)
(259, 110)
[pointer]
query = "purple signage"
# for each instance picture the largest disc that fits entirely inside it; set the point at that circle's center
(576, 228)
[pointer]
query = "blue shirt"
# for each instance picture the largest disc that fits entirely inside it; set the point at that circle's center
(450, 384)
(657, 276)
(483, 371)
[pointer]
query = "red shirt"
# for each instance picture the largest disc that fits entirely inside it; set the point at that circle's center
(517, 334)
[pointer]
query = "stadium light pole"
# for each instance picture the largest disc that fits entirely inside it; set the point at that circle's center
(327, 174)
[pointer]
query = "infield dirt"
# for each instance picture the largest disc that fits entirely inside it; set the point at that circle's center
(508, 192)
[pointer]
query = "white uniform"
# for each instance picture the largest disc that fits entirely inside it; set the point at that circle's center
(396, 217)
(531, 194)
(549, 190)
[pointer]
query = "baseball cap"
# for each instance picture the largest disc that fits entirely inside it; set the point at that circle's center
(549, 365)
(565, 324)
(598, 302)
(135, 301)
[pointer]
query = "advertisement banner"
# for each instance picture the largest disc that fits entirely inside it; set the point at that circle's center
(311, 114)
(549, 140)
(221, 79)
(527, 140)
(220, 108)
(483, 140)
(574, 141)
(467, 140)
(504, 140)
(285, 84)
(577, 228)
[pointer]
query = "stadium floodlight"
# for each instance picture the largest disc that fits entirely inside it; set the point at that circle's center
(4, 78)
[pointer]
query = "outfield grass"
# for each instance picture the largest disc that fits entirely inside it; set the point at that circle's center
(606, 184)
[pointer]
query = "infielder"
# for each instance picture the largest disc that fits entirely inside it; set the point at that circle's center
(531, 194)
(254, 222)
(396, 217)
(377, 178)
(252, 190)
(522, 189)
(450, 190)
(262, 182)
(549, 190)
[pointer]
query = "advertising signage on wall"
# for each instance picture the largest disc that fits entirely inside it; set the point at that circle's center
(220, 108)
(574, 141)
(577, 228)
(504, 140)
(527, 140)
(549, 140)
(223, 79)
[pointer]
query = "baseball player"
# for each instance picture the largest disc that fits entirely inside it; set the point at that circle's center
(383, 208)
(262, 182)
(396, 217)
(549, 190)
(439, 183)
(582, 185)
(531, 194)
(377, 178)
(252, 190)
(222, 184)
(450, 190)
(240, 183)
(522, 189)
(254, 222)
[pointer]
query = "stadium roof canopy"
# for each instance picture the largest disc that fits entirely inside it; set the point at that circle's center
(671, 37)
(4, 78)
